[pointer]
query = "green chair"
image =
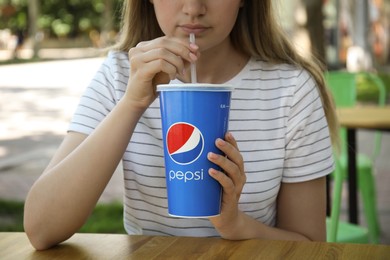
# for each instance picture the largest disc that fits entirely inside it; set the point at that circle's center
(340, 231)
(343, 88)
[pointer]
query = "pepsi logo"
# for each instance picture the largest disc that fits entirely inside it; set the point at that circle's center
(185, 143)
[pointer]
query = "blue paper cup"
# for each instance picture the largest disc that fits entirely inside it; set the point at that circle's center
(193, 117)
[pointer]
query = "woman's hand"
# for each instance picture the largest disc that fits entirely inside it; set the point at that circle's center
(156, 62)
(232, 179)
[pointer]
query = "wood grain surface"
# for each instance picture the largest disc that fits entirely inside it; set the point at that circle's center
(110, 246)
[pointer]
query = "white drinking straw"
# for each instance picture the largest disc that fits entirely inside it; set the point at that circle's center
(193, 65)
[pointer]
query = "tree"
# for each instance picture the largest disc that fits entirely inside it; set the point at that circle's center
(33, 12)
(58, 18)
(315, 27)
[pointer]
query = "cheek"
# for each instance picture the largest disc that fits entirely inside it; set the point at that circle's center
(230, 15)
(229, 23)
(165, 17)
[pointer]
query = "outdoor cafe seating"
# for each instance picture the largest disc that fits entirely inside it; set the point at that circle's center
(343, 86)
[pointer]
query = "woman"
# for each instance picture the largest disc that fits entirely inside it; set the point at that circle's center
(278, 148)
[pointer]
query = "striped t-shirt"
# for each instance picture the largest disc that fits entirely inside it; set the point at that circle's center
(276, 117)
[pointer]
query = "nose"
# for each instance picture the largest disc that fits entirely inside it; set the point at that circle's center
(194, 8)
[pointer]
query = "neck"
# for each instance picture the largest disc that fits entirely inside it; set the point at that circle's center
(219, 64)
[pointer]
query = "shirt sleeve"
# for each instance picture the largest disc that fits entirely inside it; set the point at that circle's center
(96, 102)
(309, 153)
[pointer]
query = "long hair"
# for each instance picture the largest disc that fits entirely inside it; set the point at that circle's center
(255, 33)
(138, 23)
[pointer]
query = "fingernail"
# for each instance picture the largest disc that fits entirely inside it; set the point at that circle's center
(211, 155)
(213, 172)
(221, 142)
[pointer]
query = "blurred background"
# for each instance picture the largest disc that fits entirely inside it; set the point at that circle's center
(330, 27)
(49, 50)
(27, 28)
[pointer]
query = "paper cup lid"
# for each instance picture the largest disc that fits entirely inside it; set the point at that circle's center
(194, 87)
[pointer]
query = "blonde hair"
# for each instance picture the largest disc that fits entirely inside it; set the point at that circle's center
(255, 33)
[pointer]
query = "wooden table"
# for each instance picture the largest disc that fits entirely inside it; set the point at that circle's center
(109, 246)
(363, 117)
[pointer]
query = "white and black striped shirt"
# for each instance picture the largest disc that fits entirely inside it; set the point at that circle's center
(276, 117)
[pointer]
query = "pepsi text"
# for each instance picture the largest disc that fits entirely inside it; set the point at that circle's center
(186, 176)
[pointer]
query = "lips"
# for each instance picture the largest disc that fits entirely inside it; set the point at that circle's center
(193, 28)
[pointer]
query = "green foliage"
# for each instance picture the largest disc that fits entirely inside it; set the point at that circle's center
(15, 14)
(367, 91)
(106, 218)
(11, 216)
(58, 18)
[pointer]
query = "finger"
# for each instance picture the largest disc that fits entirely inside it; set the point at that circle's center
(222, 161)
(165, 56)
(231, 170)
(230, 138)
(155, 61)
(185, 50)
(158, 66)
(230, 148)
(168, 49)
(226, 183)
(139, 56)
